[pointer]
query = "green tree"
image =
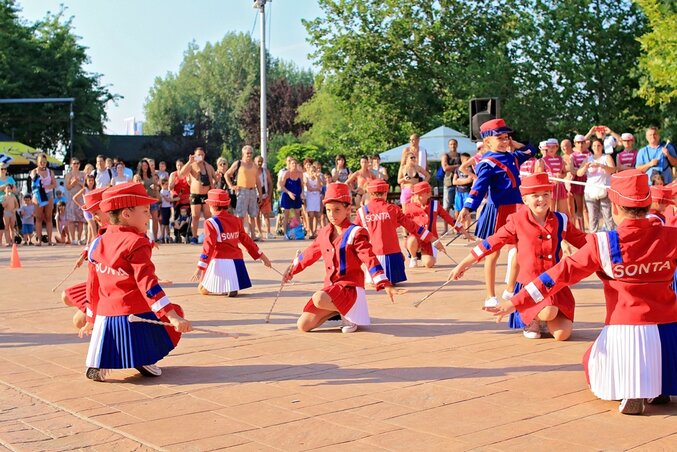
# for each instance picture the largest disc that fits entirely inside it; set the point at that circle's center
(658, 62)
(212, 95)
(396, 67)
(575, 63)
(44, 59)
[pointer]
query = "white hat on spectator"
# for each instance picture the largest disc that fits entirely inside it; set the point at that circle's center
(542, 145)
(627, 137)
(609, 144)
(579, 138)
(552, 142)
(479, 145)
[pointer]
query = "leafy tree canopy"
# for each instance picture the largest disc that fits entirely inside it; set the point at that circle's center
(45, 59)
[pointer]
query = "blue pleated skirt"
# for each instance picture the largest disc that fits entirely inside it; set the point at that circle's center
(486, 223)
(668, 335)
(118, 344)
(515, 321)
(393, 265)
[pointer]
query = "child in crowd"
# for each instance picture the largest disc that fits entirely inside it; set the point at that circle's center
(424, 212)
(182, 225)
(10, 205)
(27, 212)
(537, 232)
(635, 356)
(121, 282)
(76, 295)
(90, 184)
(463, 183)
(165, 209)
(497, 176)
(661, 199)
(62, 222)
(221, 269)
(381, 220)
(344, 247)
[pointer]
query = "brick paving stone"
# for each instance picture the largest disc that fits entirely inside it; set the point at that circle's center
(440, 377)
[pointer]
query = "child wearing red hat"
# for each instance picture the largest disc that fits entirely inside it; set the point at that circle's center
(424, 212)
(76, 295)
(221, 269)
(497, 176)
(661, 199)
(635, 356)
(537, 232)
(121, 282)
(381, 220)
(344, 247)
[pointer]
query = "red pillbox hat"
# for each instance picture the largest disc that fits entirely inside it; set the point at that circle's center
(338, 192)
(218, 197)
(535, 182)
(630, 188)
(378, 186)
(494, 127)
(93, 199)
(421, 187)
(122, 196)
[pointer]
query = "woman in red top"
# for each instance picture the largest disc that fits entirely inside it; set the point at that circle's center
(555, 166)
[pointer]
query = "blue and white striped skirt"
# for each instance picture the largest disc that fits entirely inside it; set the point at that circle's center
(515, 321)
(633, 362)
(226, 275)
(118, 344)
(393, 265)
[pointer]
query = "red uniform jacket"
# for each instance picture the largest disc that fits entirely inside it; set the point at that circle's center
(122, 277)
(382, 220)
(426, 216)
(636, 264)
(223, 235)
(343, 257)
(539, 247)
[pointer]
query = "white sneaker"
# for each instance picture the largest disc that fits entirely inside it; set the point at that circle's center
(413, 262)
(349, 327)
(631, 406)
(533, 330)
(507, 295)
(491, 302)
(150, 370)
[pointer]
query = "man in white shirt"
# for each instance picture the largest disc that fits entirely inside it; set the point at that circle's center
(102, 174)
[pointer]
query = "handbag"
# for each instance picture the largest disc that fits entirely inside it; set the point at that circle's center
(595, 192)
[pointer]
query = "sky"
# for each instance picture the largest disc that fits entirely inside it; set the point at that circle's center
(131, 42)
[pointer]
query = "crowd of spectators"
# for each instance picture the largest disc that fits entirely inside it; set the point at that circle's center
(29, 218)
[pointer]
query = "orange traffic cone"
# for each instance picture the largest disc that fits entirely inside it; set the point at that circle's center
(14, 261)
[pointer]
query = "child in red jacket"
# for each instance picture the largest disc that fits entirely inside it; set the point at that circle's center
(635, 356)
(424, 212)
(537, 232)
(221, 269)
(121, 282)
(344, 247)
(381, 219)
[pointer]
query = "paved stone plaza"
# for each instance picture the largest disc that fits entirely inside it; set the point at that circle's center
(439, 377)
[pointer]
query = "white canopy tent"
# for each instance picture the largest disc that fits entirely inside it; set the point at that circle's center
(436, 143)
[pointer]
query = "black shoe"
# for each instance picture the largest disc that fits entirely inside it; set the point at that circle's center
(660, 400)
(232, 294)
(151, 370)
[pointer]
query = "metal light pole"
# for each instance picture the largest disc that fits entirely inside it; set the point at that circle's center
(261, 6)
(71, 116)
